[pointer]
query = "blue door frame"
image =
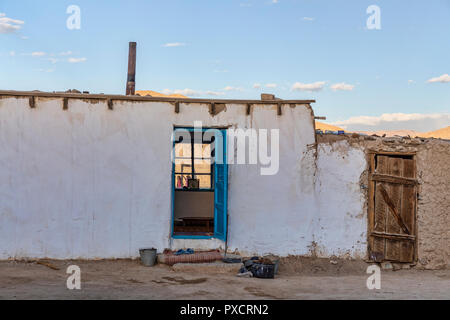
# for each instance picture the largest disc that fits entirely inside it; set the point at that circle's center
(220, 186)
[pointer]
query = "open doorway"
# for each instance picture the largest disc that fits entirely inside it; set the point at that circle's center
(199, 179)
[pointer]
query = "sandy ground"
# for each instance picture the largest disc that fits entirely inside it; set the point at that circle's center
(303, 279)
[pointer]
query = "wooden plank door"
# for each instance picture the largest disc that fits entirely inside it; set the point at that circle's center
(392, 207)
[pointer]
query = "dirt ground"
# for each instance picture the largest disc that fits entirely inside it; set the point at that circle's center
(298, 278)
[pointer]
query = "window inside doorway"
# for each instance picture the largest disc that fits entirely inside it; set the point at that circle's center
(193, 178)
(194, 164)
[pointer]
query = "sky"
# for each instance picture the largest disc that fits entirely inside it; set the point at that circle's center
(394, 76)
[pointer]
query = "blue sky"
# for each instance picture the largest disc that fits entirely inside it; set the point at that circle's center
(296, 49)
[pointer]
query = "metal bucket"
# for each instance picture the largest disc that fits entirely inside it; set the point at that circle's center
(148, 257)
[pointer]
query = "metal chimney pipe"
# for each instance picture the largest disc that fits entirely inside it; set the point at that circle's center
(131, 79)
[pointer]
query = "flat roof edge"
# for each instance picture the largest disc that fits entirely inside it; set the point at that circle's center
(146, 98)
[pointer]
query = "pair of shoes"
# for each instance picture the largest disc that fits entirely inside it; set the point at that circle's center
(246, 274)
(181, 251)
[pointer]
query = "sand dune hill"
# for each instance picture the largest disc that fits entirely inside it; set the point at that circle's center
(443, 133)
(151, 93)
(324, 126)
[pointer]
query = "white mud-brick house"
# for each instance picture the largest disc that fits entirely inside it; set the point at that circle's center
(99, 176)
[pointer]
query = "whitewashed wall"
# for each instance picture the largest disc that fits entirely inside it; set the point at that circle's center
(342, 219)
(94, 183)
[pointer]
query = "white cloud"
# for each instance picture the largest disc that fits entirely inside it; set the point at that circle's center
(76, 60)
(411, 81)
(192, 93)
(315, 86)
(214, 93)
(308, 18)
(396, 121)
(257, 85)
(8, 25)
(12, 53)
(45, 70)
(275, 1)
(38, 54)
(52, 58)
(445, 78)
(185, 92)
(230, 88)
(271, 85)
(342, 87)
(174, 44)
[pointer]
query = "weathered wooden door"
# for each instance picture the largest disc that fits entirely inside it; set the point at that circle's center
(392, 207)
